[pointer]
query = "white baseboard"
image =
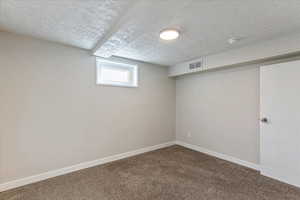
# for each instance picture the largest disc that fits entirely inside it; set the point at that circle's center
(66, 170)
(219, 155)
(272, 174)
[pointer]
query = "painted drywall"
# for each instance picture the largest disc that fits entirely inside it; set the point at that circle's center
(266, 51)
(53, 115)
(219, 111)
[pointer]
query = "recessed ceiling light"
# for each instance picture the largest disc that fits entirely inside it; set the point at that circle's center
(169, 34)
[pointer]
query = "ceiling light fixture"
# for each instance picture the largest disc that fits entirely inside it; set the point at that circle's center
(169, 34)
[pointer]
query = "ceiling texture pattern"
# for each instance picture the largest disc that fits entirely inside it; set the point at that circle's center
(79, 23)
(130, 28)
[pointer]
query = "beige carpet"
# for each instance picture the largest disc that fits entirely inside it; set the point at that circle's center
(173, 173)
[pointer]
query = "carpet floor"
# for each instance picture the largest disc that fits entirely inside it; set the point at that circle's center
(173, 173)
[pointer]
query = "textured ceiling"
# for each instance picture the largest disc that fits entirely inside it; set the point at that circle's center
(130, 28)
(79, 23)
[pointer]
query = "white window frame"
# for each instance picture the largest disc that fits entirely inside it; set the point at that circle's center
(132, 69)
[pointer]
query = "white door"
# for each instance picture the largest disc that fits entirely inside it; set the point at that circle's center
(280, 121)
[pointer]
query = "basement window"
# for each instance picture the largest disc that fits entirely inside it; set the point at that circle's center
(116, 74)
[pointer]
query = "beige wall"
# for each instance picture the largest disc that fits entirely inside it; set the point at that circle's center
(53, 115)
(220, 109)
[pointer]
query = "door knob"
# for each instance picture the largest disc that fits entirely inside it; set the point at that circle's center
(264, 120)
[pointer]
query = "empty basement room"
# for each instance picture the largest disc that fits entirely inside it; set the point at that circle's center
(149, 99)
